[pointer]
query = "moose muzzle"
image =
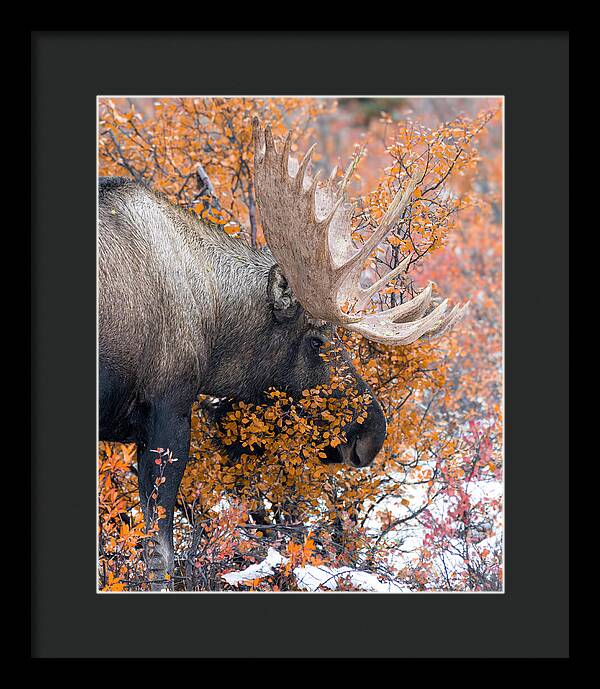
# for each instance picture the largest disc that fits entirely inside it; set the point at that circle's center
(363, 440)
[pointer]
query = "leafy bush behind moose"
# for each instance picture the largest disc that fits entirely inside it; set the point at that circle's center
(427, 515)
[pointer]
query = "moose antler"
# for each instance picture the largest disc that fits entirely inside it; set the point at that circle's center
(307, 226)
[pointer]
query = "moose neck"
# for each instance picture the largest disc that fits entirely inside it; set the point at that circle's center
(236, 276)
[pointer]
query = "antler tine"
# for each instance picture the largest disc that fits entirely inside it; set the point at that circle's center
(367, 293)
(257, 137)
(394, 211)
(332, 176)
(454, 317)
(308, 229)
(411, 309)
(313, 186)
(285, 154)
(303, 166)
(269, 143)
(380, 329)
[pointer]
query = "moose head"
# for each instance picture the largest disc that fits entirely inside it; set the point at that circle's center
(314, 286)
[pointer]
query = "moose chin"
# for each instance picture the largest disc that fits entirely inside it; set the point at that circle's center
(185, 309)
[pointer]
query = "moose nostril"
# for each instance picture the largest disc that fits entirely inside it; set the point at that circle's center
(365, 450)
(355, 459)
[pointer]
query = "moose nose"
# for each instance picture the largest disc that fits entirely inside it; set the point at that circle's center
(362, 449)
(366, 449)
(365, 441)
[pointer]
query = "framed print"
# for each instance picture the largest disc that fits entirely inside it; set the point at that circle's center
(293, 330)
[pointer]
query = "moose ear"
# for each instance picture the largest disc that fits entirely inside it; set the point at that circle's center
(280, 296)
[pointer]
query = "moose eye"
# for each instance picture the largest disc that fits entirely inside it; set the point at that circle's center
(316, 343)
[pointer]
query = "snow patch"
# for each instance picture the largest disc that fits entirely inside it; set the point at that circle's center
(310, 578)
(257, 571)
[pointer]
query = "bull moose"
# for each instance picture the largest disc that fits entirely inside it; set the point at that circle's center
(185, 309)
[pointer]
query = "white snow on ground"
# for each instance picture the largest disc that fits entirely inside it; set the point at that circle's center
(310, 577)
(411, 534)
(222, 506)
(257, 571)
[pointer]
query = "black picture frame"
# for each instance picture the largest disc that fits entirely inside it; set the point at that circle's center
(68, 618)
